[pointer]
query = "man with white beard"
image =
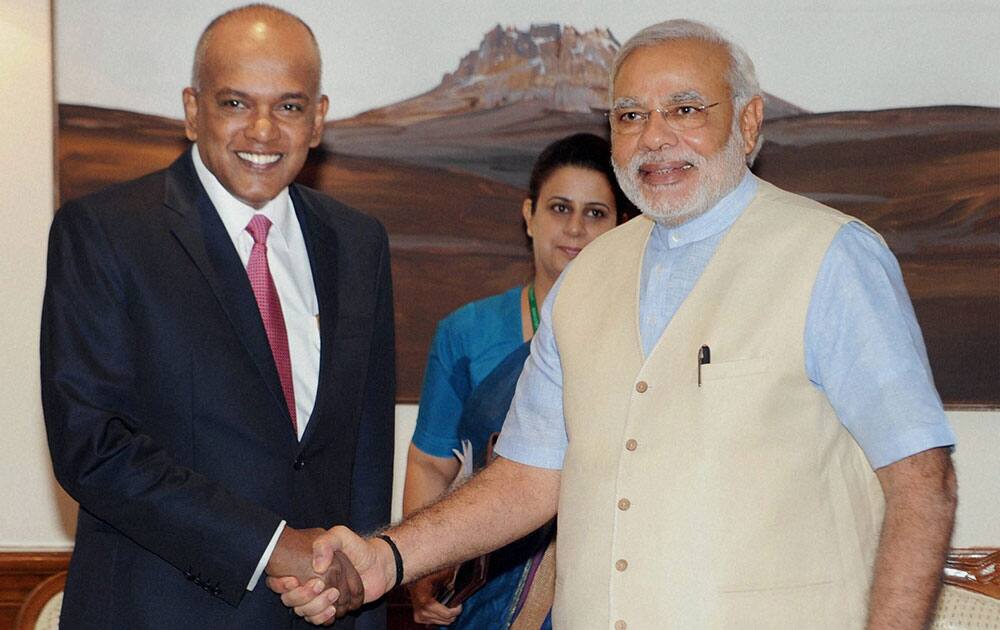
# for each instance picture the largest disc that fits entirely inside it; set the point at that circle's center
(760, 445)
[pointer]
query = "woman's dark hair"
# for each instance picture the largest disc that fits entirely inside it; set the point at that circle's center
(583, 150)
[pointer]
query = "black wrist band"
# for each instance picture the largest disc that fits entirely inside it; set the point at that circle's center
(395, 556)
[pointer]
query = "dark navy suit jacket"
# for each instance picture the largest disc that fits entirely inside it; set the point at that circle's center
(164, 411)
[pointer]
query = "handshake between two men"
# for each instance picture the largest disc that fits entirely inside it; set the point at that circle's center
(346, 572)
(491, 510)
(309, 563)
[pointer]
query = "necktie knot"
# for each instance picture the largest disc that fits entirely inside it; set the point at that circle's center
(258, 227)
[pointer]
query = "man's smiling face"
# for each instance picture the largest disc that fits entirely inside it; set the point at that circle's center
(257, 109)
(672, 175)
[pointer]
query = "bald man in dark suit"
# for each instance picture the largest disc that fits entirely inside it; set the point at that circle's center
(217, 357)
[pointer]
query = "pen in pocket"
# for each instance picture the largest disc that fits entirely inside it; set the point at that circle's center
(704, 358)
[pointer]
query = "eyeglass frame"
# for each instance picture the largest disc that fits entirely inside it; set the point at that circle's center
(664, 113)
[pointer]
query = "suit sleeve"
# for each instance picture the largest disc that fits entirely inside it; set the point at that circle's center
(100, 455)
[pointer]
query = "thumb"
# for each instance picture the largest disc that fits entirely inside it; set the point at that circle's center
(323, 548)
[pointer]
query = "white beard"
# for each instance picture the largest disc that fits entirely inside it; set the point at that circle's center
(720, 173)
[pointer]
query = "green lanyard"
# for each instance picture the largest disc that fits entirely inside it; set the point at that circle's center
(533, 308)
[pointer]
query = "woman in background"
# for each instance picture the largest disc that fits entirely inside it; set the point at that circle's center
(572, 199)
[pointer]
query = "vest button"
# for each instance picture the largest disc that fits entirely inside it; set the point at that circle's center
(624, 504)
(641, 387)
(620, 624)
(299, 464)
(621, 565)
(631, 445)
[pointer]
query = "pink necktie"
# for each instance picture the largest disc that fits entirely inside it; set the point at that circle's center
(270, 307)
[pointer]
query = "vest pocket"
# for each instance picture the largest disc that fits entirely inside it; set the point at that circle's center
(733, 369)
(807, 605)
(767, 511)
(780, 591)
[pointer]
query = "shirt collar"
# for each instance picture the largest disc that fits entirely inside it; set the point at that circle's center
(234, 213)
(717, 219)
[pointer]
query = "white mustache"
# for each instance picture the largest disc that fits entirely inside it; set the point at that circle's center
(663, 156)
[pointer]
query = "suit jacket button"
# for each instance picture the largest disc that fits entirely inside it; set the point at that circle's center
(299, 464)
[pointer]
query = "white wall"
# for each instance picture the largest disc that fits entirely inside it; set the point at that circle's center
(977, 460)
(34, 514)
(30, 514)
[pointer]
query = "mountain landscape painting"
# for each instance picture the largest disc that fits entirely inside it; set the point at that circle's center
(446, 171)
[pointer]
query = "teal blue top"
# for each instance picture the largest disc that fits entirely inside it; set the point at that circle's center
(468, 344)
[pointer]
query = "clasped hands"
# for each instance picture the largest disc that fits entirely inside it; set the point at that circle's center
(325, 575)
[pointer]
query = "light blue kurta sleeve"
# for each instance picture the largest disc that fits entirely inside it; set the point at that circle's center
(864, 349)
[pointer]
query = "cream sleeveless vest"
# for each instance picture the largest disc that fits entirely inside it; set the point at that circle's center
(739, 503)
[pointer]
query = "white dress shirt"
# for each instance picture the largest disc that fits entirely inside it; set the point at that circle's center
(288, 261)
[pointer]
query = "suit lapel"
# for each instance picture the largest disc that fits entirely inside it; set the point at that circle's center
(196, 225)
(321, 244)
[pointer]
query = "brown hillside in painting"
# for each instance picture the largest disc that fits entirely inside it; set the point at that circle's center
(928, 179)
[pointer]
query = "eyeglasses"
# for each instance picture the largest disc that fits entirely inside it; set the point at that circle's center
(628, 122)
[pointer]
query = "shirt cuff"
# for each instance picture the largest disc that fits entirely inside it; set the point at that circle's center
(264, 559)
(531, 455)
(912, 442)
